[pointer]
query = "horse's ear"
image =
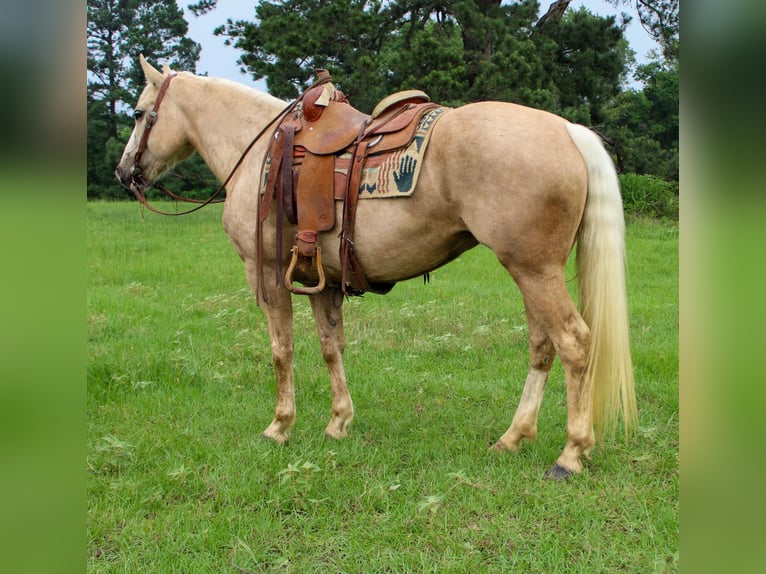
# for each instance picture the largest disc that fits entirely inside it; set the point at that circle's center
(166, 69)
(153, 75)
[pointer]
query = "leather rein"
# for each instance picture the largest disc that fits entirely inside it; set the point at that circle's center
(138, 183)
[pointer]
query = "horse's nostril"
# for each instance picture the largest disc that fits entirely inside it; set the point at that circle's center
(122, 176)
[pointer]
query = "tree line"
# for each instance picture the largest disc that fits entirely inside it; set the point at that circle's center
(570, 62)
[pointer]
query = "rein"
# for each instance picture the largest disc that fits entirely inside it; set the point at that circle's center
(137, 177)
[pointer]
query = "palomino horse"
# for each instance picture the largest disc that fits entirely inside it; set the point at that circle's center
(525, 183)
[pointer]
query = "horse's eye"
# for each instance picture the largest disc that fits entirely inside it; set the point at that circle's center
(137, 114)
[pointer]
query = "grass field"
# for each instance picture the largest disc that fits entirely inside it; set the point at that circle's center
(180, 386)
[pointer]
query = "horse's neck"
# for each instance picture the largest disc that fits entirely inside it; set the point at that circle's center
(224, 117)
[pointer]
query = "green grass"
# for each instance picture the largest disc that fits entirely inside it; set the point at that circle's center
(180, 386)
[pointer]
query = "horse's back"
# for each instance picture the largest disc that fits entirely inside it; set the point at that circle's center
(489, 143)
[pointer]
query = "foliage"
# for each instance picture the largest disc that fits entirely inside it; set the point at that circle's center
(104, 150)
(117, 32)
(643, 126)
(587, 62)
(649, 196)
(436, 42)
(180, 384)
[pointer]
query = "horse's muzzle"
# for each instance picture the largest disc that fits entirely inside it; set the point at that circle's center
(131, 177)
(124, 176)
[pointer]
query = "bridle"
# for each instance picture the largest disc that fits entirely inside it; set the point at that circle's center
(137, 181)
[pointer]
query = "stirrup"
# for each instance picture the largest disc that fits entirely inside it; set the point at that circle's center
(297, 289)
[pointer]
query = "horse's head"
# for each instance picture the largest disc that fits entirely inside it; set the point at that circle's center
(159, 138)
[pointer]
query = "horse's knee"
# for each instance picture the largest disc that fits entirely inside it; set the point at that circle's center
(282, 355)
(332, 349)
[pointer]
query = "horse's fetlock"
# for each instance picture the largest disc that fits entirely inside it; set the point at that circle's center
(580, 444)
(343, 409)
(284, 417)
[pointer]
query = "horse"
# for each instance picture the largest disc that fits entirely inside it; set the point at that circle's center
(526, 183)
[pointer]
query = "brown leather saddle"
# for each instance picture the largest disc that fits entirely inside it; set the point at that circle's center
(306, 174)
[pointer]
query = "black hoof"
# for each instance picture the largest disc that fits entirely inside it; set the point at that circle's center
(557, 472)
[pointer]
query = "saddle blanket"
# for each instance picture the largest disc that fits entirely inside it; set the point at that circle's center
(394, 174)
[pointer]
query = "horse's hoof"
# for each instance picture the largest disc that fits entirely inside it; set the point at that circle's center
(337, 429)
(278, 438)
(335, 434)
(503, 447)
(557, 472)
(281, 442)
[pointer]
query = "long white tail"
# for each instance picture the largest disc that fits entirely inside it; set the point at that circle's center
(603, 294)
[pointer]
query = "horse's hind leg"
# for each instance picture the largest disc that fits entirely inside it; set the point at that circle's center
(541, 354)
(328, 315)
(548, 301)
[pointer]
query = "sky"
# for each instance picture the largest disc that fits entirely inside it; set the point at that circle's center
(219, 60)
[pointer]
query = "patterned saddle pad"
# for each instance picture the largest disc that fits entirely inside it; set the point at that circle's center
(394, 174)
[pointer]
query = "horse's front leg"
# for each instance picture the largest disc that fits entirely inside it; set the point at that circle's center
(328, 315)
(278, 308)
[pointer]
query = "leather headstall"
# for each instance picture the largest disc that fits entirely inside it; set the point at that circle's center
(137, 175)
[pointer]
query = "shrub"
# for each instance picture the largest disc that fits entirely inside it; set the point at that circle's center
(649, 196)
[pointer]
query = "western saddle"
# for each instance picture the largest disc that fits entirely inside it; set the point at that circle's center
(305, 174)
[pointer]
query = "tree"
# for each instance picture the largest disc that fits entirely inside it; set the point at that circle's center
(290, 40)
(408, 63)
(642, 126)
(117, 31)
(586, 57)
(660, 19)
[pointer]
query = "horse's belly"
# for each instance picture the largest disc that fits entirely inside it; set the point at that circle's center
(396, 239)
